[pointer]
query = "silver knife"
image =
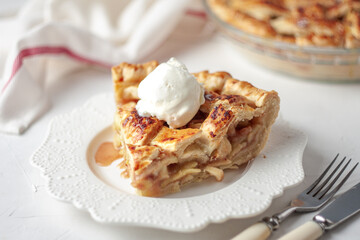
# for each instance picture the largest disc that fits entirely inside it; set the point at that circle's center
(345, 206)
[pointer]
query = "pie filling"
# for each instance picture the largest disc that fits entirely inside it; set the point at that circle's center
(230, 129)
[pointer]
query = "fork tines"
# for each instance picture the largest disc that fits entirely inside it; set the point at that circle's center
(319, 191)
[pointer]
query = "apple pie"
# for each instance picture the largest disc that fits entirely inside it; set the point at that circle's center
(231, 128)
(334, 23)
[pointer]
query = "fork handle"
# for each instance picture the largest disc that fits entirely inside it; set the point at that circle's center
(308, 231)
(258, 231)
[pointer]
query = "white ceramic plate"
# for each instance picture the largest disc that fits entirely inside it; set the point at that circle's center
(66, 159)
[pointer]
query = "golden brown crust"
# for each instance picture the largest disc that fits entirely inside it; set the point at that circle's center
(230, 129)
(126, 77)
(216, 126)
(135, 129)
(176, 140)
(306, 22)
(212, 82)
(242, 20)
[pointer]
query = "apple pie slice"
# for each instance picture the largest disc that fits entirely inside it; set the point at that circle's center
(231, 128)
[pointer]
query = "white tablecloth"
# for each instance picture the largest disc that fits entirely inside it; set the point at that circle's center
(328, 113)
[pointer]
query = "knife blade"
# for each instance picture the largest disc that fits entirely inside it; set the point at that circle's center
(342, 208)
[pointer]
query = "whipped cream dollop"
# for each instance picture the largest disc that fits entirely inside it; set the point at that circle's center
(170, 93)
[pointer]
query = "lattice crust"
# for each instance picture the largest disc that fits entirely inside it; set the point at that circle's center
(126, 78)
(230, 129)
(306, 22)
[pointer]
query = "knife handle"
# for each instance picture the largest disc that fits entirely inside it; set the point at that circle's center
(258, 231)
(308, 231)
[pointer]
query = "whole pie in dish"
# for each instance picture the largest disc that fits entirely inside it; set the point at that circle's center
(334, 23)
(231, 128)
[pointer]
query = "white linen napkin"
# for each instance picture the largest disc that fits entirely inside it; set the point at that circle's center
(95, 32)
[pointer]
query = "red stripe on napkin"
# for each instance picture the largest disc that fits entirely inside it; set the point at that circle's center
(28, 52)
(196, 13)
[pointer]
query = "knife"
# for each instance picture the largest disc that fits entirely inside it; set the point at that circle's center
(345, 206)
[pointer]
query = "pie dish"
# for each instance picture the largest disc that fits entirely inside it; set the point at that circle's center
(333, 23)
(297, 38)
(231, 128)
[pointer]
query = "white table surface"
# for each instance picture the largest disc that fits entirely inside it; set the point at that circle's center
(328, 113)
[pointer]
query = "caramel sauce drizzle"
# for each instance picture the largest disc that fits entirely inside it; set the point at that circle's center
(106, 154)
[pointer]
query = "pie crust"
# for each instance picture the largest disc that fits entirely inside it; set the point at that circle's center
(231, 128)
(334, 23)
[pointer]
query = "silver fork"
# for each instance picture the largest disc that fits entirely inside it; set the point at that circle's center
(311, 199)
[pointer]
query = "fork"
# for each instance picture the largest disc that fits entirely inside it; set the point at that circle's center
(311, 199)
